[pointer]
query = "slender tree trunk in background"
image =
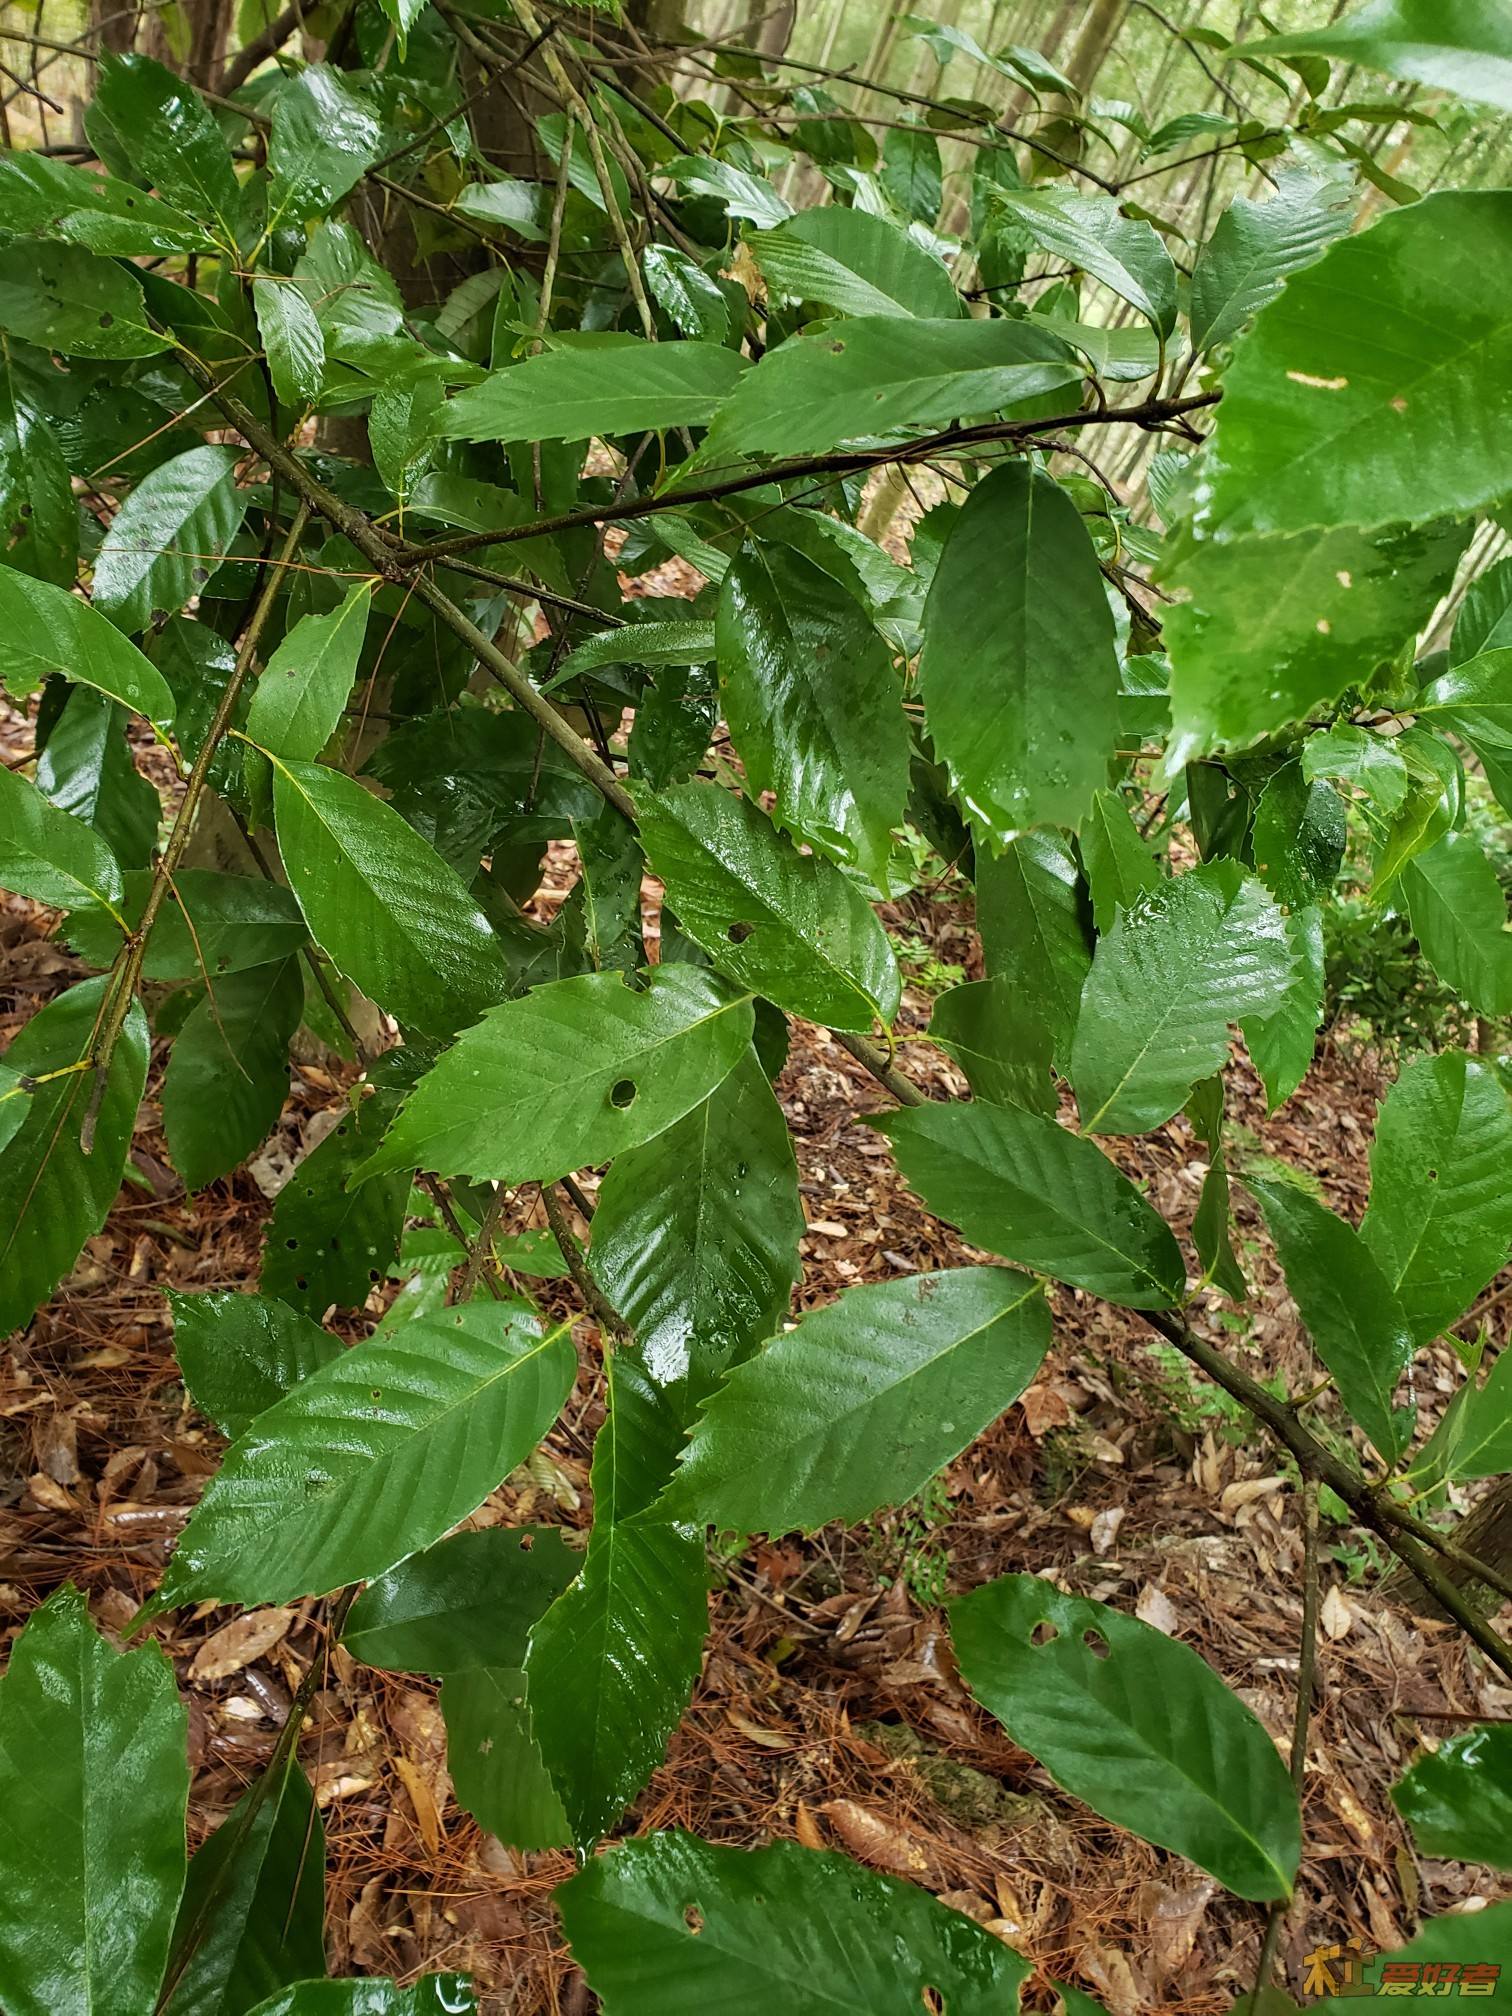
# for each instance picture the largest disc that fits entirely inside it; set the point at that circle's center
(1101, 24)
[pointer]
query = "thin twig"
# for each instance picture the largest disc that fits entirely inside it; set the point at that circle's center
(600, 1308)
(1307, 1661)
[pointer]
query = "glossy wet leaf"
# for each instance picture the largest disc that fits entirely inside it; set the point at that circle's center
(612, 1663)
(1036, 923)
(86, 768)
(855, 263)
(54, 858)
(1090, 232)
(786, 925)
(298, 700)
(695, 1238)
(52, 1195)
(228, 1071)
(571, 1074)
(873, 373)
(617, 386)
(1440, 1217)
(395, 919)
(1349, 405)
(497, 1771)
(1020, 687)
(239, 1353)
(468, 1601)
(1201, 951)
(813, 706)
(47, 198)
(999, 1040)
(70, 301)
(862, 1403)
(44, 630)
(170, 136)
(1134, 1723)
(292, 341)
(323, 141)
(169, 537)
(1256, 246)
(431, 1995)
(373, 1455)
(1459, 914)
(208, 923)
(1019, 1184)
(1274, 629)
(1350, 1308)
(95, 1780)
(1447, 45)
(1358, 757)
(688, 295)
(1212, 1220)
(1299, 837)
(37, 505)
(1120, 867)
(251, 1920)
(1281, 1043)
(673, 1926)
(1458, 1799)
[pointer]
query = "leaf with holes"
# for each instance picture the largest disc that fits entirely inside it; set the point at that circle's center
(240, 1353)
(169, 537)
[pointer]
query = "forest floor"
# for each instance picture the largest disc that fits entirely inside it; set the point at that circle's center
(828, 1710)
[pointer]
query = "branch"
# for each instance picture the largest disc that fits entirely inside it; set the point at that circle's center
(1153, 413)
(263, 44)
(600, 1308)
(1307, 1660)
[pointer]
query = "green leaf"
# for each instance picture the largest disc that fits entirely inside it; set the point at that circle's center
(240, 1353)
(910, 172)
(877, 373)
(1199, 952)
(570, 1075)
(324, 140)
(228, 1071)
(327, 1243)
(1212, 1219)
(618, 385)
(1484, 619)
(1450, 45)
(292, 341)
(1352, 755)
(1440, 1214)
(1351, 1311)
(15, 1091)
(52, 857)
(855, 263)
(611, 1665)
(169, 537)
(497, 1770)
(37, 505)
(1459, 914)
(1281, 1044)
(95, 1781)
(52, 1195)
(1464, 1939)
(786, 925)
(468, 1601)
(1344, 406)
(404, 14)
(297, 704)
(44, 198)
(1021, 686)
(1274, 630)
(85, 768)
(686, 294)
(673, 1926)
(170, 137)
(1473, 700)
(402, 427)
(1019, 1184)
(392, 1442)
(1479, 1441)
(1036, 926)
(44, 630)
(1092, 233)
(431, 1995)
(862, 1403)
(251, 1919)
(67, 300)
(1299, 837)
(1255, 247)
(1119, 865)
(1458, 1799)
(813, 706)
(1134, 1723)
(695, 1238)
(393, 916)
(689, 642)
(999, 1040)
(237, 921)
(740, 194)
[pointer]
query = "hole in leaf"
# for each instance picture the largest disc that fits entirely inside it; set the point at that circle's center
(527, 1542)
(738, 933)
(932, 1999)
(1095, 1643)
(693, 1918)
(622, 1093)
(1043, 1633)
(292, 1244)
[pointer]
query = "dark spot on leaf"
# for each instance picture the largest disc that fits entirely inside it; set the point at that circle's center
(738, 933)
(106, 319)
(200, 574)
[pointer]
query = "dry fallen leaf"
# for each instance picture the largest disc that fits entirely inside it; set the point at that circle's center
(806, 1827)
(1044, 1408)
(1105, 1529)
(1156, 1609)
(1173, 1919)
(427, 1818)
(1335, 1615)
(757, 1732)
(877, 1841)
(237, 1644)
